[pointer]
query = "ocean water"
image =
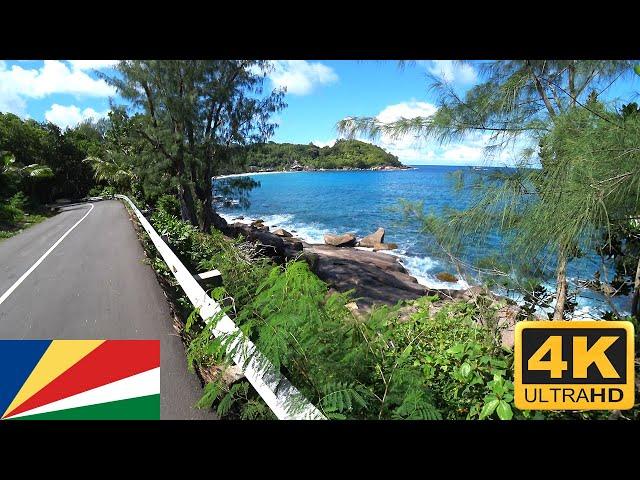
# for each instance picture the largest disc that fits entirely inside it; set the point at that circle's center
(315, 203)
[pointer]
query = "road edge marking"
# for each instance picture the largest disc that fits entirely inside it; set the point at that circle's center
(6, 294)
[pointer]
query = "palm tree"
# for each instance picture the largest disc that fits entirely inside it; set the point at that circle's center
(11, 170)
(115, 173)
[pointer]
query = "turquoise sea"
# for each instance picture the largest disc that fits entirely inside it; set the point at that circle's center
(314, 203)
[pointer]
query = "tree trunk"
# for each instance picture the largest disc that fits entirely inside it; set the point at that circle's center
(211, 218)
(188, 210)
(561, 287)
(184, 210)
(207, 211)
(635, 302)
(187, 206)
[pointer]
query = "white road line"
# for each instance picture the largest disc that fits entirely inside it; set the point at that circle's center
(6, 294)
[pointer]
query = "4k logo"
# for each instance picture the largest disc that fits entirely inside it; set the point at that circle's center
(581, 365)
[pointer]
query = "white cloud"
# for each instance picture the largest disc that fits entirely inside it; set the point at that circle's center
(10, 101)
(53, 77)
(18, 84)
(321, 144)
(411, 109)
(92, 64)
(301, 77)
(406, 148)
(411, 149)
(69, 115)
(452, 71)
(463, 154)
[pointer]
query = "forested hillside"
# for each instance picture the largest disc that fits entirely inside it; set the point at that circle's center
(344, 154)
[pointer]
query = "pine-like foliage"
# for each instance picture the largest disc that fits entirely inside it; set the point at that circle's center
(535, 113)
(190, 115)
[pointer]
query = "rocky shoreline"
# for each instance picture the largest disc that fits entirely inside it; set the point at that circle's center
(376, 278)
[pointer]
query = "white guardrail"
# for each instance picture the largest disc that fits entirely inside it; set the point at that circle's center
(275, 389)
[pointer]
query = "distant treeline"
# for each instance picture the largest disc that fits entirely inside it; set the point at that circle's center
(343, 154)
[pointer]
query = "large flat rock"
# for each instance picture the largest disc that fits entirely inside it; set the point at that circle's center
(377, 278)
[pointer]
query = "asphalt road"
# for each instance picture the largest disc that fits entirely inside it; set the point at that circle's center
(94, 285)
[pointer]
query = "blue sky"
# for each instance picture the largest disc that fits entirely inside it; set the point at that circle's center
(319, 94)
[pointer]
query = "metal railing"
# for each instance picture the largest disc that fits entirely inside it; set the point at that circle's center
(286, 402)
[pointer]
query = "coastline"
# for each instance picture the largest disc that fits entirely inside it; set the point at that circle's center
(409, 271)
(384, 168)
(425, 268)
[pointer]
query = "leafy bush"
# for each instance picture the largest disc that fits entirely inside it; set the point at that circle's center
(19, 201)
(108, 191)
(12, 211)
(102, 191)
(9, 213)
(377, 365)
(95, 191)
(169, 204)
(461, 360)
(17, 213)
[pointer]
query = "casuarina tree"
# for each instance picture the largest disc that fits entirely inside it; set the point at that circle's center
(192, 114)
(517, 108)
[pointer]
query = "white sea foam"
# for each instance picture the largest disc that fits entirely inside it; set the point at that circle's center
(250, 174)
(311, 233)
(425, 269)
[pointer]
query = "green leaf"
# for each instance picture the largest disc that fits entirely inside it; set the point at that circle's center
(496, 362)
(504, 411)
(489, 408)
(497, 388)
(405, 355)
(336, 416)
(465, 369)
(637, 69)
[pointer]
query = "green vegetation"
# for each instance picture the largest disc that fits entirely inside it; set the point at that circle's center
(38, 164)
(16, 214)
(344, 154)
(189, 116)
(60, 153)
(386, 364)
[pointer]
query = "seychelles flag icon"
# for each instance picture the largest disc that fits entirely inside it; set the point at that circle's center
(80, 379)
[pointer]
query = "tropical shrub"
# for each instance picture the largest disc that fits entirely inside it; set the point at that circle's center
(169, 204)
(377, 365)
